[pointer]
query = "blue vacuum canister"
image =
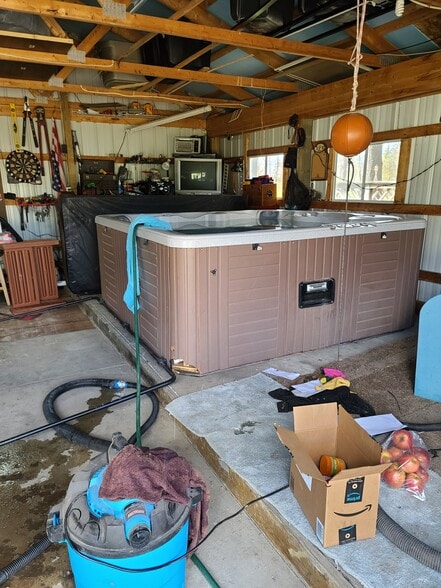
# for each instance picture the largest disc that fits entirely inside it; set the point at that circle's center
(121, 543)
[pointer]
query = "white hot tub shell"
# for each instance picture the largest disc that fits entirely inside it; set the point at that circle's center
(223, 289)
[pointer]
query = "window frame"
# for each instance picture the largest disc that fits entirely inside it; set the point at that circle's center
(401, 179)
(265, 152)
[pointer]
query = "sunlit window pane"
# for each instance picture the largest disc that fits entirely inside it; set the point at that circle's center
(268, 165)
(373, 177)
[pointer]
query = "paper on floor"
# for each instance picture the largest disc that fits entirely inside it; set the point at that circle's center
(380, 423)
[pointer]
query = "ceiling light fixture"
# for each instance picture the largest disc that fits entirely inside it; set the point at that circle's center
(173, 118)
(352, 133)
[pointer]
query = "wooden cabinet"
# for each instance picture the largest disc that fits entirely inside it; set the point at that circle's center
(30, 268)
(261, 195)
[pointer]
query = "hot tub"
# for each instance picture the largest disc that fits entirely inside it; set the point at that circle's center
(222, 289)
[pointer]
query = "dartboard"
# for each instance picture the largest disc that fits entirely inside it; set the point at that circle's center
(23, 166)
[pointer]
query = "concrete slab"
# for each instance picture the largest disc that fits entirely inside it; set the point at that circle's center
(236, 420)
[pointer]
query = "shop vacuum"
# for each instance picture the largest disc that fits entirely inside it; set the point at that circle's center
(120, 543)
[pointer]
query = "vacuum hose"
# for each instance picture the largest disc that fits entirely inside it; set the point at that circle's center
(24, 559)
(428, 556)
(76, 436)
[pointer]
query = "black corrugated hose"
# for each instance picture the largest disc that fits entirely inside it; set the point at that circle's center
(32, 553)
(89, 441)
(428, 556)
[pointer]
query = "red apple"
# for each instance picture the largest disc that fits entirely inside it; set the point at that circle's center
(395, 453)
(391, 454)
(423, 456)
(402, 439)
(423, 474)
(394, 476)
(409, 463)
(414, 483)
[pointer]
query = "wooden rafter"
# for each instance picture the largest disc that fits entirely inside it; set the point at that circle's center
(143, 70)
(69, 11)
(201, 24)
(411, 79)
(200, 16)
(175, 16)
(112, 92)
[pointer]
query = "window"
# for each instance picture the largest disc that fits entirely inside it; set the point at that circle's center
(374, 174)
(268, 165)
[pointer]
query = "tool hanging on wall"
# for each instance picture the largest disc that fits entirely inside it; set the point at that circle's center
(57, 155)
(78, 159)
(57, 184)
(15, 134)
(21, 166)
(27, 116)
(297, 133)
(41, 124)
(77, 149)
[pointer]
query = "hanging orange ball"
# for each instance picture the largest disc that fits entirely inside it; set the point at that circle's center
(351, 134)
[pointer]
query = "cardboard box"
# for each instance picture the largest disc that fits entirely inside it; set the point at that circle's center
(261, 195)
(343, 508)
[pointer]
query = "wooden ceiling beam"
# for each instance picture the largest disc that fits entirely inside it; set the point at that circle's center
(86, 45)
(35, 85)
(412, 79)
(373, 40)
(70, 11)
(412, 15)
(199, 15)
(179, 65)
(19, 55)
(202, 17)
(175, 16)
(55, 28)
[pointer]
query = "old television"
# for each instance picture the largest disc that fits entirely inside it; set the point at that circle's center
(198, 175)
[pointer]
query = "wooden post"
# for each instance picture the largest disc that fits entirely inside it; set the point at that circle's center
(72, 172)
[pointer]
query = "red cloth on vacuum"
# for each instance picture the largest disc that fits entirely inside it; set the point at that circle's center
(154, 474)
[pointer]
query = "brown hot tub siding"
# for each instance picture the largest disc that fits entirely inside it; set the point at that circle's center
(220, 307)
(381, 283)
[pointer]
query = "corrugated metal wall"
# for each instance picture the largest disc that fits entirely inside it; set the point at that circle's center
(425, 163)
(39, 222)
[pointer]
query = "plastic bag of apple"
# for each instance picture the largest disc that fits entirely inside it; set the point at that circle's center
(409, 462)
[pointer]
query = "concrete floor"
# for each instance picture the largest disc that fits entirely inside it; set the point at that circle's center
(35, 472)
(39, 354)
